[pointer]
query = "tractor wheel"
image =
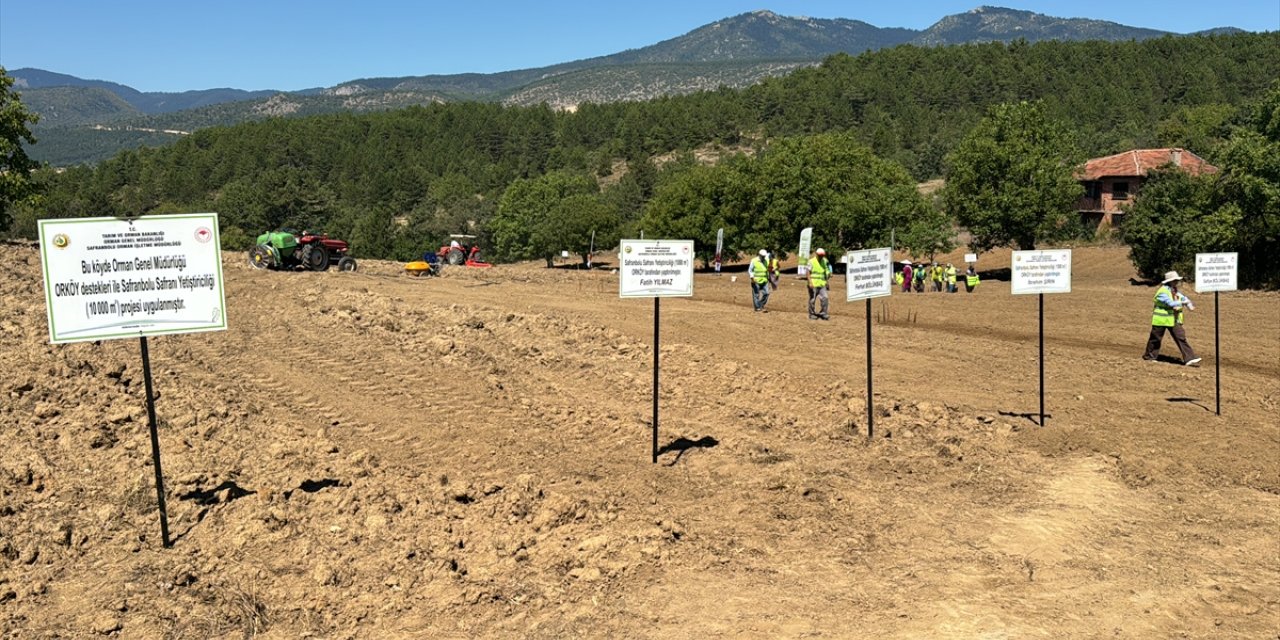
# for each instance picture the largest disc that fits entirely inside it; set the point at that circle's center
(346, 263)
(315, 257)
(456, 256)
(260, 257)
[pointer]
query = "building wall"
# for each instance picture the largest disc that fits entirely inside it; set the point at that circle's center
(1104, 206)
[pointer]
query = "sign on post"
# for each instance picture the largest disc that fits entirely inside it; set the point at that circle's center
(869, 274)
(1041, 272)
(970, 258)
(109, 278)
(1216, 271)
(656, 269)
(1046, 271)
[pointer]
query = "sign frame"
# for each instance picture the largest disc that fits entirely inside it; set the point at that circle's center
(1204, 283)
(677, 250)
(869, 258)
(59, 234)
(1053, 257)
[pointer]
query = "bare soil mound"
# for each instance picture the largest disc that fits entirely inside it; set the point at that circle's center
(368, 455)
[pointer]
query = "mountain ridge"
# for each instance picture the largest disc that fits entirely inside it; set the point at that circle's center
(733, 52)
(759, 36)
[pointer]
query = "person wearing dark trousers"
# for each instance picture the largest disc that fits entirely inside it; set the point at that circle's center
(1167, 316)
(819, 277)
(759, 273)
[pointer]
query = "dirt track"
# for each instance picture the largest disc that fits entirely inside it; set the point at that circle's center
(369, 455)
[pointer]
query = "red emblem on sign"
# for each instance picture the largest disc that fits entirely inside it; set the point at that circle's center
(203, 234)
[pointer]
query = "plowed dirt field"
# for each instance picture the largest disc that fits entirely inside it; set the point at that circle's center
(368, 455)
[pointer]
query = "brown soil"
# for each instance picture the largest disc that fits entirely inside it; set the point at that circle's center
(370, 455)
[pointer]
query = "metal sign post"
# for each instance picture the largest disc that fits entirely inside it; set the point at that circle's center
(1042, 359)
(1217, 272)
(869, 274)
(871, 417)
(112, 278)
(155, 444)
(1041, 272)
(657, 313)
(655, 269)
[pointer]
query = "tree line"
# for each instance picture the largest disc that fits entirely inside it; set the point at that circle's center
(835, 147)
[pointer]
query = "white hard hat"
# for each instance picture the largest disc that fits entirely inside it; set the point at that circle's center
(822, 252)
(764, 254)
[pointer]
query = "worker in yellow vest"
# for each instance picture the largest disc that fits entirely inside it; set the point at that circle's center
(970, 280)
(936, 274)
(819, 275)
(759, 272)
(775, 272)
(1167, 316)
(951, 278)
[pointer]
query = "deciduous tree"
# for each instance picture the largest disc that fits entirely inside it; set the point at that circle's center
(1010, 181)
(16, 183)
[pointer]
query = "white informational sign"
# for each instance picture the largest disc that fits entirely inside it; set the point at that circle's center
(108, 278)
(564, 254)
(655, 269)
(1042, 271)
(869, 274)
(1216, 271)
(971, 258)
(806, 241)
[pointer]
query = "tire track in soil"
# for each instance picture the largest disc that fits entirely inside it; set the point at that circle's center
(368, 396)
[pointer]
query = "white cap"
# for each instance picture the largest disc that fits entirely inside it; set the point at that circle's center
(764, 254)
(821, 252)
(1170, 277)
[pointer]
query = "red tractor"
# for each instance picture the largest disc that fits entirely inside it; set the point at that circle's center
(457, 253)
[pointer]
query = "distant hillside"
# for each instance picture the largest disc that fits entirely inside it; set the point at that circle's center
(987, 24)
(66, 106)
(764, 35)
(143, 101)
(734, 52)
(644, 82)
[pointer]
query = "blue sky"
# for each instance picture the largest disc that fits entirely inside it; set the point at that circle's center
(176, 45)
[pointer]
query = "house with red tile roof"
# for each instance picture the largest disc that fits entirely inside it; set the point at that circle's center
(1111, 182)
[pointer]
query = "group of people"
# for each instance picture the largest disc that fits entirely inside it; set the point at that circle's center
(765, 273)
(935, 277)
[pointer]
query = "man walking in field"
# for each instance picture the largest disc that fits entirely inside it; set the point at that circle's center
(819, 274)
(775, 272)
(759, 273)
(1167, 316)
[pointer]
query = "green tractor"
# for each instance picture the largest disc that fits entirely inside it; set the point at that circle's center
(289, 250)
